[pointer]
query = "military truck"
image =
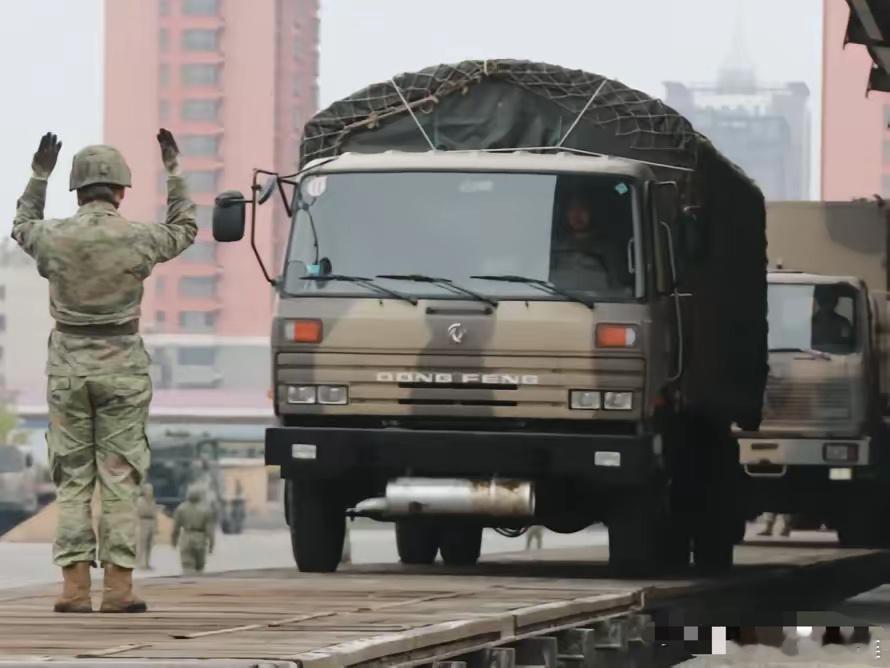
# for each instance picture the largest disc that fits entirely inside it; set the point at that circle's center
(513, 294)
(822, 450)
(18, 486)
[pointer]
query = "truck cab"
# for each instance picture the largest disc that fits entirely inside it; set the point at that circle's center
(820, 449)
(470, 339)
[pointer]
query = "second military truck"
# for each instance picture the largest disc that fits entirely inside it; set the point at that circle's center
(823, 450)
(514, 294)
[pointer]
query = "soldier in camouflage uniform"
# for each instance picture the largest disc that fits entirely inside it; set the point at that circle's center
(194, 531)
(98, 386)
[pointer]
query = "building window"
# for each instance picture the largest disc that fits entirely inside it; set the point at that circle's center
(164, 7)
(204, 146)
(198, 39)
(160, 285)
(2, 292)
(887, 151)
(887, 116)
(161, 317)
(200, 7)
(204, 181)
(2, 323)
(204, 215)
(197, 321)
(164, 110)
(200, 110)
(164, 76)
(163, 40)
(200, 251)
(200, 74)
(885, 186)
(197, 286)
(196, 356)
(297, 119)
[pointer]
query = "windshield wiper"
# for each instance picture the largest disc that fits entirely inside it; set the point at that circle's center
(441, 282)
(365, 282)
(807, 351)
(544, 286)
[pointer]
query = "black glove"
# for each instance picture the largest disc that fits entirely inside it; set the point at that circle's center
(169, 151)
(46, 156)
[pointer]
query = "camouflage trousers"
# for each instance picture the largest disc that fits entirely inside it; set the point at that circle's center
(97, 436)
(193, 546)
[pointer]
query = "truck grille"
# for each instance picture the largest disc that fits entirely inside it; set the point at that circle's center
(508, 386)
(796, 401)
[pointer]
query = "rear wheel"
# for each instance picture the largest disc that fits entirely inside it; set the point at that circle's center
(460, 544)
(317, 526)
(417, 541)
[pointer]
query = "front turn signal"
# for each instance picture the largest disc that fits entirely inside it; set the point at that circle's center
(615, 336)
(303, 331)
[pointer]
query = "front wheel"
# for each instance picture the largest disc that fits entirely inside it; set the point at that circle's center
(417, 542)
(460, 544)
(317, 526)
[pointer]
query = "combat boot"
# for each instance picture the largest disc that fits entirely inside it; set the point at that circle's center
(118, 594)
(76, 589)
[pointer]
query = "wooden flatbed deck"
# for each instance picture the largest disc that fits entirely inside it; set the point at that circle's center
(384, 614)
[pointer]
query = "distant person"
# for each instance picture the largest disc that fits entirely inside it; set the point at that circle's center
(194, 531)
(147, 511)
(99, 389)
(831, 330)
(238, 509)
(583, 257)
(534, 534)
(771, 522)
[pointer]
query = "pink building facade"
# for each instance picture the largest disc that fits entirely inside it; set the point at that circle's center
(855, 133)
(235, 81)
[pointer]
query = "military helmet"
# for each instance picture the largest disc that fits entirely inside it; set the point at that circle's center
(195, 493)
(99, 164)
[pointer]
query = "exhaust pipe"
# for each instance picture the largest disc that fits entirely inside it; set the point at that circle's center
(448, 496)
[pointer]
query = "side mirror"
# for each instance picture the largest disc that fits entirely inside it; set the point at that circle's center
(667, 201)
(229, 216)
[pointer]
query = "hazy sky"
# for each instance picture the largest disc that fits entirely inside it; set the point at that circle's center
(51, 54)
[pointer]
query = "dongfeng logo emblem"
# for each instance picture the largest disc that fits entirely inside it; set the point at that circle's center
(457, 332)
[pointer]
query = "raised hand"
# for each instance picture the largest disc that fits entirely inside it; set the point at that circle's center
(169, 151)
(46, 156)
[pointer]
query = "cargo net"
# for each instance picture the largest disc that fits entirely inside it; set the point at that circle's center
(647, 124)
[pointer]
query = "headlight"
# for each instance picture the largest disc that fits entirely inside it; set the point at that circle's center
(585, 400)
(301, 394)
(333, 395)
(618, 401)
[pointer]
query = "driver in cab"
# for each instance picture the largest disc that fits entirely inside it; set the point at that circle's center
(830, 329)
(583, 258)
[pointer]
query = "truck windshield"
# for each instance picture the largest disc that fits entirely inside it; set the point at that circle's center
(573, 231)
(813, 317)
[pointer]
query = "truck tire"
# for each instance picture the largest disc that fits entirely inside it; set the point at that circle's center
(716, 529)
(317, 525)
(644, 541)
(417, 542)
(460, 544)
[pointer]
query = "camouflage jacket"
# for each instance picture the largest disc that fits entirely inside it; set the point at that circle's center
(95, 263)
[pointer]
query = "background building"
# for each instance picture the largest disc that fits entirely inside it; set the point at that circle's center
(235, 81)
(855, 125)
(764, 128)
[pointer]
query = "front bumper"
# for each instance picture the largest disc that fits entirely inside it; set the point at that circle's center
(312, 452)
(798, 451)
